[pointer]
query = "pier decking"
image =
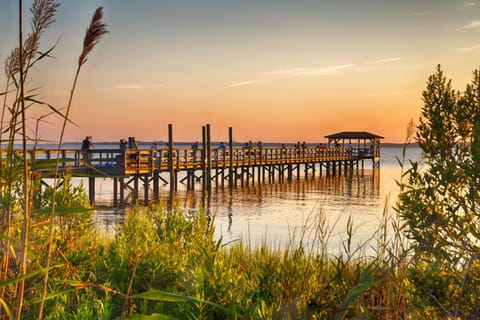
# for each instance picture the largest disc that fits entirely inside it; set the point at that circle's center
(229, 166)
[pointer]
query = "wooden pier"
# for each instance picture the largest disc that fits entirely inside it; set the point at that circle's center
(231, 166)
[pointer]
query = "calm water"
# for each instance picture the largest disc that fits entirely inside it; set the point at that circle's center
(275, 212)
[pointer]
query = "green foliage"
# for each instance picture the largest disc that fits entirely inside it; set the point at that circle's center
(168, 264)
(440, 197)
(69, 197)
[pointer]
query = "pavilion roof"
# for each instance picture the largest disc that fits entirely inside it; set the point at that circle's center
(354, 135)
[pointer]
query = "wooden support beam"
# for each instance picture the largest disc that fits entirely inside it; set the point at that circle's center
(146, 186)
(122, 192)
(156, 187)
(203, 159)
(171, 168)
(91, 190)
(115, 192)
(230, 162)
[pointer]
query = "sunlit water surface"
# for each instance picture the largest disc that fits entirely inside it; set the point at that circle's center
(280, 214)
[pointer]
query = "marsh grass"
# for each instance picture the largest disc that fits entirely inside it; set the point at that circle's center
(163, 263)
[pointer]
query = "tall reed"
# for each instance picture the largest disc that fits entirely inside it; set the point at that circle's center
(16, 185)
(94, 33)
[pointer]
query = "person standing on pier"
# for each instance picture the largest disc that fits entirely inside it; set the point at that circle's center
(123, 145)
(87, 147)
(132, 144)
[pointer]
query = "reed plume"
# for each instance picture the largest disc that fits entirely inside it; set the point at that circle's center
(93, 35)
(12, 65)
(43, 13)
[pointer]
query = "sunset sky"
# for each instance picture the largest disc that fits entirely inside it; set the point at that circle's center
(273, 70)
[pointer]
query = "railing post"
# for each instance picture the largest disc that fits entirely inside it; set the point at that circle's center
(203, 159)
(209, 160)
(170, 161)
(230, 165)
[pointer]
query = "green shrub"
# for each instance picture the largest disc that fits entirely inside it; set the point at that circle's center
(440, 198)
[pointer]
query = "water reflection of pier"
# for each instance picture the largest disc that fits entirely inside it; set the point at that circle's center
(355, 186)
(357, 189)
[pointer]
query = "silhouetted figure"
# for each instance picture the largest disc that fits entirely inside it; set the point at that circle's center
(87, 147)
(123, 145)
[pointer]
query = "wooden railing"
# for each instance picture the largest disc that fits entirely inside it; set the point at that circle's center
(145, 161)
(183, 159)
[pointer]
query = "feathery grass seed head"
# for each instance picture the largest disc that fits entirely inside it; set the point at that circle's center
(93, 35)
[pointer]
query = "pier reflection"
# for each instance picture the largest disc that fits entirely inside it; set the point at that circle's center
(278, 199)
(354, 189)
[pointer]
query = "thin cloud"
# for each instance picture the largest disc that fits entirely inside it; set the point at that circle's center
(138, 86)
(301, 71)
(471, 25)
(293, 73)
(468, 5)
(386, 60)
(471, 48)
(244, 83)
(323, 71)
